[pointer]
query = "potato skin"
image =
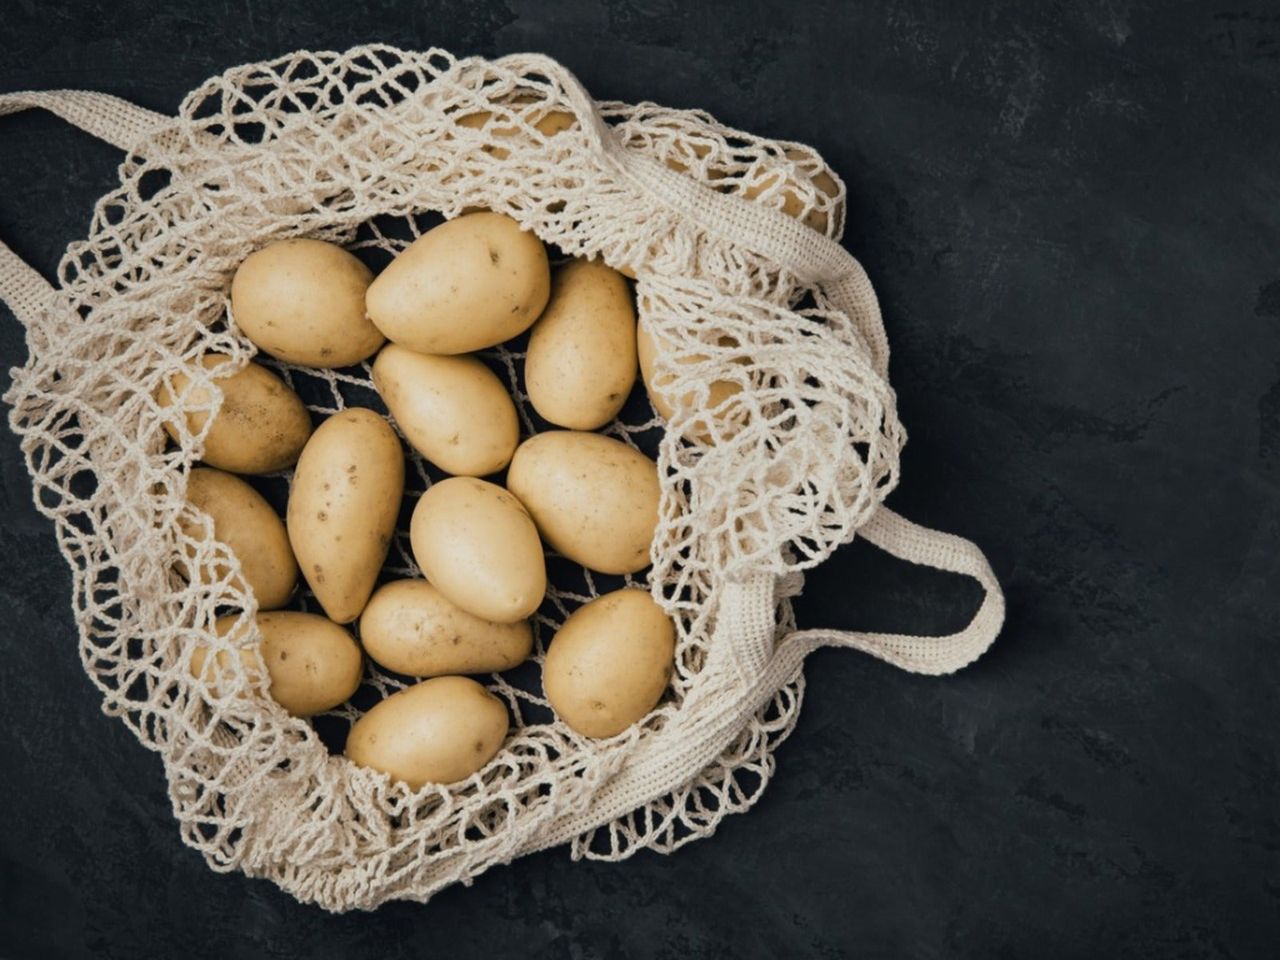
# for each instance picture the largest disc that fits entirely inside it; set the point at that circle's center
(477, 545)
(410, 627)
(261, 426)
(343, 507)
(245, 522)
(581, 361)
(452, 410)
(438, 731)
(608, 666)
(302, 300)
(594, 499)
(313, 663)
(467, 284)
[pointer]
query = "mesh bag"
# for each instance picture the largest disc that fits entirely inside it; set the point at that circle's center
(732, 240)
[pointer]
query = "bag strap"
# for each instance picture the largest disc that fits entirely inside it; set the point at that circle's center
(119, 122)
(908, 541)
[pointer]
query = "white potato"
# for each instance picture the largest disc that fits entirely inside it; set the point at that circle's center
(343, 507)
(410, 627)
(304, 301)
(594, 499)
(453, 410)
(581, 361)
(476, 544)
(467, 284)
(437, 731)
(608, 666)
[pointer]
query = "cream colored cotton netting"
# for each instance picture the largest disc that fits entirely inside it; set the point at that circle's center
(357, 148)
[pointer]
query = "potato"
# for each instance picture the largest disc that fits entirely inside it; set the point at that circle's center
(303, 301)
(453, 410)
(343, 507)
(410, 627)
(478, 547)
(313, 663)
(719, 391)
(260, 427)
(593, 498)
(465, 285)
(245, 522)
(608, 665)
(437, 731)
(545, 121)
(792, 204)
(581, 362)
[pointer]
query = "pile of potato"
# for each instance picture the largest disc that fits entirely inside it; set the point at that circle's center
(469, 284)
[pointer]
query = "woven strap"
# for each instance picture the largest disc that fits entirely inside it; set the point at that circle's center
(118, 122)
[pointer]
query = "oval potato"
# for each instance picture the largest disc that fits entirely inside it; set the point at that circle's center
(467, 284)
(792, 204)
(594, 499)
(719, 391)
(410, 627)
(261, 426)
(313, 664)
(452, 410)
(303, 301)
(581, 361)
(477, 545)
(437, 731)
(608, 666)
(245, 522)
(343, 507)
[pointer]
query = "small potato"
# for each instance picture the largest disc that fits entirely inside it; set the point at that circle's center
(547, 122)
(719, 391)
(303, 301)
(464, 285)
(313, 663)
(608, 665)
(437, 731)
(453, 410)
(261, 426)
(581, 362)
(593, 498)
(343, 507)
(245, 522)
(410, 627)
(478, 547)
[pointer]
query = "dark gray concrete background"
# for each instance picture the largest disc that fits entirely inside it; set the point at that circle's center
(1072, 214)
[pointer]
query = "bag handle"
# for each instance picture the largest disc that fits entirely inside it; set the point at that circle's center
(901, 538)
(119, 122)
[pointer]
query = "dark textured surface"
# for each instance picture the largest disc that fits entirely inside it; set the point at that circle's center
(1072, 215)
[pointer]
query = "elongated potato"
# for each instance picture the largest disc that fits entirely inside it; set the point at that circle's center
(776, 182)
(303, 301)
(412, 628)
(343, 507)
(581, 362)
(608, 665)
(478, 547)
(261, 426)
(593, 498)
(437, 731)
(453, 410)
(313, 663)
(465, 285)
(245, 522)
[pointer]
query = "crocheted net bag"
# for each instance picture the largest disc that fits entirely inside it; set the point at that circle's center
(726, 234)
